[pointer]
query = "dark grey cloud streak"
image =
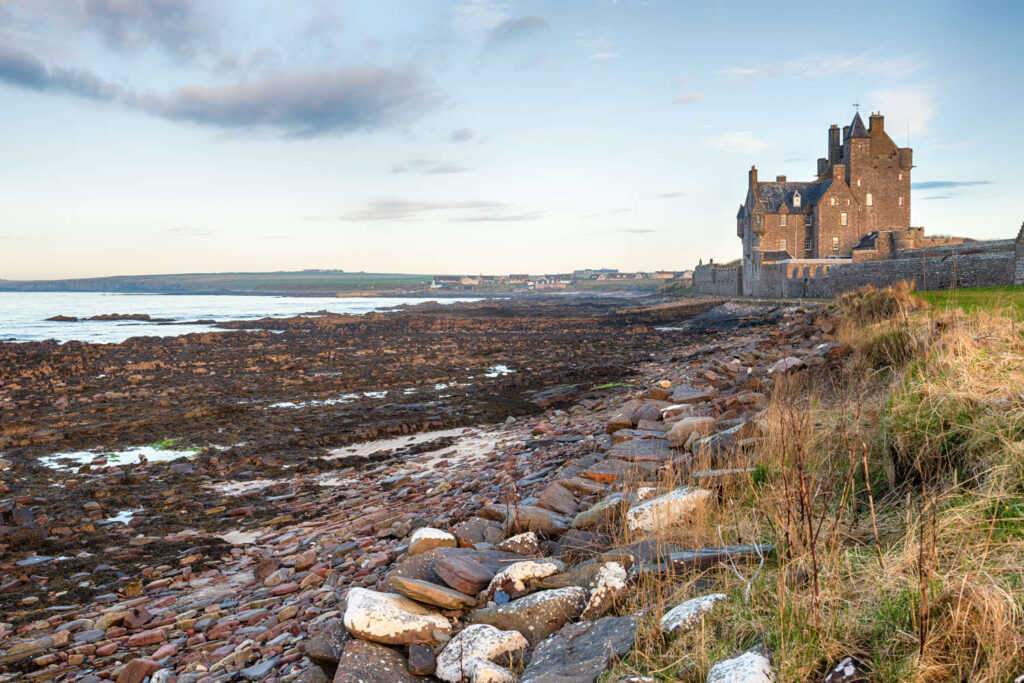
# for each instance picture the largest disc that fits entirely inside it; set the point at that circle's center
(293, 104)
(947, 184)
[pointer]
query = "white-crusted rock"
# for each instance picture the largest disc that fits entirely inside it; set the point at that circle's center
(749, 667)
(477, 642)
(482, 671)
(522, 544)
(512, 579)
(392, 619)
(426, 538)
(666, 510)
(686, 615)
(611, 587)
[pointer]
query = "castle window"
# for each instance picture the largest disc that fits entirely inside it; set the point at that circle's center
(901, 176)
(843, 219)
(783, 245)
(901, 201)
(858, 182)
(870, 200)
(796, 199)
(808, 244)
(809, 220)
(835, 244)
(782, 220)
(832, 201)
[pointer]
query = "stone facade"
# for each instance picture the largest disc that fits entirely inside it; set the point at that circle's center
(848, 227)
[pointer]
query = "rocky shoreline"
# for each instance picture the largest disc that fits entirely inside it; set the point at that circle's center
(466, 553)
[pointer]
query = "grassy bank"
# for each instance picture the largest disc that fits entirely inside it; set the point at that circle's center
(1007, 300)
(893, 490)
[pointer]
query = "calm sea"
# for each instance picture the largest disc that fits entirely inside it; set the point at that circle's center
(23, 315)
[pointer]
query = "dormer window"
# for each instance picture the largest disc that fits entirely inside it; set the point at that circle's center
(796, 199)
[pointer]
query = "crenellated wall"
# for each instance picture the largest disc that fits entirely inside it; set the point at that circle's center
(718, 280)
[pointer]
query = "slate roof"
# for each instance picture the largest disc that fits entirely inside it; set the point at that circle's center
(774, 195)
(857, 128)
(743, 211)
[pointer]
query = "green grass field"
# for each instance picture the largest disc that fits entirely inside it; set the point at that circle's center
(978, 298)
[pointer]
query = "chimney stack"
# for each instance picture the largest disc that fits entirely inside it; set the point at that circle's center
(833, 145)
(780, 178)
(753, 176)
(839, 173)
(876, 124)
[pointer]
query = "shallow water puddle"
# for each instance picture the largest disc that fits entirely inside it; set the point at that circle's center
(128, 456)
(123, 516)
(340, 400)
(498, 371)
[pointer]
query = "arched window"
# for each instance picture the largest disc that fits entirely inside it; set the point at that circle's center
(871, 200)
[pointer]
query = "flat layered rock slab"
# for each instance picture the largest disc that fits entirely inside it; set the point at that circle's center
(612, 470)
(432, 593)
(703, 558)
(651, 450)
(581, 652)
(366, 662)
(424, 566)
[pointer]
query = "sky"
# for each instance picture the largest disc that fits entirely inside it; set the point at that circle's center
(473, 136)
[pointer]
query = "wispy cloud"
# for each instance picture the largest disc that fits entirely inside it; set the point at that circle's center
(947, 184)
(517, 28)
(912, 107)
(689, 98)
(293, 104)
(471, 211)
(182, 28)
(737, 142)
(822, 65)
(462, 135)
(598, 43)
(670, 195)
(189, 231)
(636, 231)
(428, 167)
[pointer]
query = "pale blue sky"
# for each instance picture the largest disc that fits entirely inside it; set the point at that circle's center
(142, 136)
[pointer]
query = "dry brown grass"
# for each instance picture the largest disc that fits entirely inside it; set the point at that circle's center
(896, 502)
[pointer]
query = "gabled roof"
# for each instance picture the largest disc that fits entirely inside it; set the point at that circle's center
(857, 128)
(774, 195)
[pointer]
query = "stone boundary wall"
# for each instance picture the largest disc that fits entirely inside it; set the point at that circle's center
(973, 264)
(986, 247)
(718, 280)
(936, 272)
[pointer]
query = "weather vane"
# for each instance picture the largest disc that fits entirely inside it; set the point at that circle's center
(856, 106)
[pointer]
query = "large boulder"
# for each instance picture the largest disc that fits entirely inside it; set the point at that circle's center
(478, 642)
(749, 667)
(513, 580)
(681, 431)
(366, 662)
(536, 616)
(392, 619)
(611, 587)
(686, 615)
(671, 508)
(580, 653)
